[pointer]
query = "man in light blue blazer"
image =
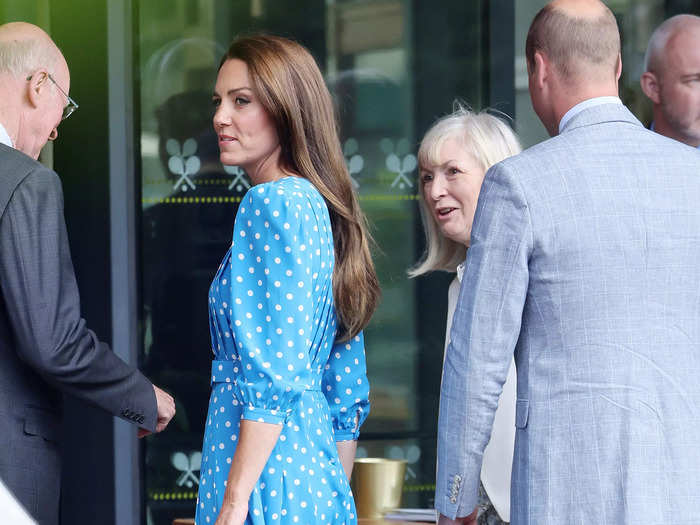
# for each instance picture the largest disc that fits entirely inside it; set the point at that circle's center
(584, 262)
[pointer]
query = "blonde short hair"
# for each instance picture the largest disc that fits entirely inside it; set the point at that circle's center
(489, 140)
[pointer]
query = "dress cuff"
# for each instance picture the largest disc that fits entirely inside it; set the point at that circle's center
(263, 415)
(341, 434)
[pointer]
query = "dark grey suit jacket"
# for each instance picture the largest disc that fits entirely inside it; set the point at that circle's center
(45, 346)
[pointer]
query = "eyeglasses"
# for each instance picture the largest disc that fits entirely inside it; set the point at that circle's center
(70, 107)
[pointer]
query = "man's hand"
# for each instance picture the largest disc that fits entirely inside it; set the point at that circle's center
(166, 408)
(166, 411)
(468, 520)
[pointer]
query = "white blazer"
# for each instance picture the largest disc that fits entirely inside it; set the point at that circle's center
(498, 455)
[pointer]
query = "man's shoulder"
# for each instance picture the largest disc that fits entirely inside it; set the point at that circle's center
(533, 156)
(614, 150)
(16, 163)
(20, 174)
(16, 167)
(674, 147)
(579, 147)
(15, 160)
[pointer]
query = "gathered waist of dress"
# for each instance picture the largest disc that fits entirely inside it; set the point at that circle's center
(227, 372)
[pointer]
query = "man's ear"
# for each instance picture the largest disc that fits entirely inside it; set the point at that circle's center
(650, 86)
(37, 86)
(618, 67)
(540, 69)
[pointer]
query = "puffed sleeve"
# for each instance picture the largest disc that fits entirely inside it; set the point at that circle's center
(346, 387)
(271, 301)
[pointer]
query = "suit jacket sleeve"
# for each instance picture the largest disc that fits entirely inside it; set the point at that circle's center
(484, 333)
(41, 294)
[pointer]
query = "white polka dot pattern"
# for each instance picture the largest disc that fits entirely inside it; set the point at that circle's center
(273, 327)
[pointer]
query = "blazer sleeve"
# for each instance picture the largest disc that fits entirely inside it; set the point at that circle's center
(43, 304)
(485, 330)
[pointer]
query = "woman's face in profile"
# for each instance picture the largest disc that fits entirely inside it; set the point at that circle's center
(247, 135)
(451, 189)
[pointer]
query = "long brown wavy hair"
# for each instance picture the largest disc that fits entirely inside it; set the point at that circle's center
(289, 85)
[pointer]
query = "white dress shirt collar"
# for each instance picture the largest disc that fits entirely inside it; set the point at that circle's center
(4, 137)
(578, 108)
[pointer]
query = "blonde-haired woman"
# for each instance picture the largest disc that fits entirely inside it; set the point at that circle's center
(453, 157)
(288, 303)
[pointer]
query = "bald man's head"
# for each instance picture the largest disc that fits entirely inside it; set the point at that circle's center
(665, 35)
(579, 37)
(34, 86)
(672, 78)
(25, 47)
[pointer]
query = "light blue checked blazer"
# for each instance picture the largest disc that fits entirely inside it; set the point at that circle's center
(585, 262)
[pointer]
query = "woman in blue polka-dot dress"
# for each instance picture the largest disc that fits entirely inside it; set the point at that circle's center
(288, 303)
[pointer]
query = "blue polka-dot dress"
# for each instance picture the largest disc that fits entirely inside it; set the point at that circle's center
(273, 329)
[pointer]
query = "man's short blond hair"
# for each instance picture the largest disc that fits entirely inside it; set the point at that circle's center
(576, 46)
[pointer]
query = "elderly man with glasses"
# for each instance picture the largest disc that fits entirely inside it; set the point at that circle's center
(45, 347)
